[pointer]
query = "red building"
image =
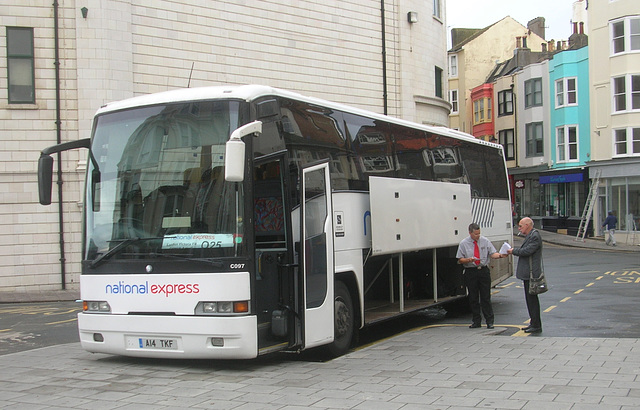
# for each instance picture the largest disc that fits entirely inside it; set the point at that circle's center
(482, 121)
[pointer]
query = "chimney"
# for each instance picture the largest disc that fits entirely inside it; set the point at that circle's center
(524, 41)
(544, 47)
(550, 46)
(582, 27)
(536, 26)
(559, 45)
(575, 28)
(518, 41)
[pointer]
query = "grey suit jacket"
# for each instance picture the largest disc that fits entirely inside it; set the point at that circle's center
(531, 250)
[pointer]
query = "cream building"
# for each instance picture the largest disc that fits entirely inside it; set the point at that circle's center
(474, 54)
(62, 60)
(614, 71)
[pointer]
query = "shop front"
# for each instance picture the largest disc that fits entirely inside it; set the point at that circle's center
(553, 199)
(619, 191)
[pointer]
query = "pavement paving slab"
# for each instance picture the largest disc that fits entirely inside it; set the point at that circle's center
(438, 367)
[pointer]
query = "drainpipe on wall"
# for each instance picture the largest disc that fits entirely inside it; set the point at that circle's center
(56, 64)
(384, 59)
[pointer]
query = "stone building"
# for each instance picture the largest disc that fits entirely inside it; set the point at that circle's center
(62, 60)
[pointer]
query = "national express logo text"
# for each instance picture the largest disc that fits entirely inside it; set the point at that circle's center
(122, 288)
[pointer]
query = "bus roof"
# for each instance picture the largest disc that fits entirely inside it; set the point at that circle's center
(251, 92)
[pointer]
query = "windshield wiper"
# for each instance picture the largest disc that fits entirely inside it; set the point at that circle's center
(209, 261)
(116, 249)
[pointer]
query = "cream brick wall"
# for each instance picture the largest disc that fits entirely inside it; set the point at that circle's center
(29, 246)
(125, 48)
(602, 68)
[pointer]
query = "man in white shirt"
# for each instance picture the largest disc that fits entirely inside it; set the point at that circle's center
(474, 253)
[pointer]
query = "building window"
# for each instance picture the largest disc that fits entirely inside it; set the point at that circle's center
(625, 35)
(533, 92)
(478, 111)
(453, 99)
(505, 102)
(626, 142)
(453, 65)
(622, 197)
(481, 110)
(535, 145)
(437, 11)
(623, 99)
(20, 65)
(505, 138)
(566, 93)
(438, 75)
(567, 140)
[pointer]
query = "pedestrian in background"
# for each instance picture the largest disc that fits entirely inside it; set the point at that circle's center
(474, 253)
(529, 264)
(610, 224)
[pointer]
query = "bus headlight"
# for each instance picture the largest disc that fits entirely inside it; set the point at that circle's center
(222, 308)
(95, 306)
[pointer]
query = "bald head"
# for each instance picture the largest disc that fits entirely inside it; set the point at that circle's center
(525, 225)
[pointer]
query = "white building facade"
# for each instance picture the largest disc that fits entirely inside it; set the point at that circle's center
(614, 75)
(60, 61)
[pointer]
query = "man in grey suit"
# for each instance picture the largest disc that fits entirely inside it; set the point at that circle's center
(529, 261)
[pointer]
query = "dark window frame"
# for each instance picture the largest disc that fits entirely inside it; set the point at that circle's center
(506, 138)
(438, 82)
(533, 92)
(534, 142)
(505, 106)
(15, 57)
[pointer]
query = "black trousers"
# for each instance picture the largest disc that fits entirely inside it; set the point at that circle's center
(478, 282)
(533, 306)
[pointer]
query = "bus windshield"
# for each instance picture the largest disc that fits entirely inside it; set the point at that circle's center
(155, 184)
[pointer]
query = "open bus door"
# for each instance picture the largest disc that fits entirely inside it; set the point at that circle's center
(274, 255)
(317, 264)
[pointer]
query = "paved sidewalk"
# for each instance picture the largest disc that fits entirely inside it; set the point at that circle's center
(596, 243)
(446, 367)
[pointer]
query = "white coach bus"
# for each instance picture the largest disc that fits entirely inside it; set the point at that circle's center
(230, 222)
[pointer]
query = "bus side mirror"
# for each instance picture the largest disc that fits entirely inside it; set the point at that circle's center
(234, 151)
(45, 178)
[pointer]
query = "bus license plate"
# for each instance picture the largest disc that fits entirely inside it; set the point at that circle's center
(158, 343)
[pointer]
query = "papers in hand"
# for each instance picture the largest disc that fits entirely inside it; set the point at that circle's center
(504, 248)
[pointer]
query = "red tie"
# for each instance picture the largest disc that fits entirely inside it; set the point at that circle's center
(476, 252)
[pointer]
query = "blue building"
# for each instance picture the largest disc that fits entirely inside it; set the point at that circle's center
(567, 180)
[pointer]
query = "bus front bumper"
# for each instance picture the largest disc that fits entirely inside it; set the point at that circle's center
(185, 337)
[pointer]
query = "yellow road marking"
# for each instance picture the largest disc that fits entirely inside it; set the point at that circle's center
(565, 299)
(549, 309)
(578, 291)
(590, 284)
(63, 312)
(62, 321)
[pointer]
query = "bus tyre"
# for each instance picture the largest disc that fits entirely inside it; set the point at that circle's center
(343, 322)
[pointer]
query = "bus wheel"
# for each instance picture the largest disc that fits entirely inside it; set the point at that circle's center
(343, 322)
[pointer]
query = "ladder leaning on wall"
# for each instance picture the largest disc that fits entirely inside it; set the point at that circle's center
(631, 226)
(588, 206)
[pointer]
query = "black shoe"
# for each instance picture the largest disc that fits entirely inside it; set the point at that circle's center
(489, 325)
(525, 328)
(474, 326)
(533, 330)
